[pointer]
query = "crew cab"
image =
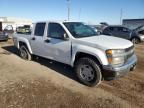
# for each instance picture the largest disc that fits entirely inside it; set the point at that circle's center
(94, 57)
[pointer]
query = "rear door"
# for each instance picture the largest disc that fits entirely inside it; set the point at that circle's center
(37, 39)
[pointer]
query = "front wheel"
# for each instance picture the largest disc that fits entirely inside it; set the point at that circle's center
(88, 71)
(24, 53)
(135, 40)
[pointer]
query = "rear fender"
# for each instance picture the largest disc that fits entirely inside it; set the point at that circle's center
(25, 41)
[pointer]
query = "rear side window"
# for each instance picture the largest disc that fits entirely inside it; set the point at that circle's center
(39, 29)
(55, 30)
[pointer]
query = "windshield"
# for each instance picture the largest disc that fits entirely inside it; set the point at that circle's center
(139, 28)
(80, 30)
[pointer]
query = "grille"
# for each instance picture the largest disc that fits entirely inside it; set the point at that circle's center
(129, 49)
(130, 52)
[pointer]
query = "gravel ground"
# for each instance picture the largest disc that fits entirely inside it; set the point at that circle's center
(45, 84)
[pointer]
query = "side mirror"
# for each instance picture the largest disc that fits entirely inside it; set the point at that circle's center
(65, 37)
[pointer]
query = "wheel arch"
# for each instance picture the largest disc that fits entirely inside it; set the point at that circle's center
(82, 54)
(135, 37)
(26, 44)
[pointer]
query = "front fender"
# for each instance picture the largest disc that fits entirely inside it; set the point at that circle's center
(98, 53)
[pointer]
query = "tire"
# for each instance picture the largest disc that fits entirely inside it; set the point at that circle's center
(135, 40)
(24, 53)
(88, 72)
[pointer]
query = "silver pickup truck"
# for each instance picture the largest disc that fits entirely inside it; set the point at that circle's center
(94, 57)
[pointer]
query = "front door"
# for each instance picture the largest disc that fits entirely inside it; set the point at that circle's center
(123, 33)
(55, 46)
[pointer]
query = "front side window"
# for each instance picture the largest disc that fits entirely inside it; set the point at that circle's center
(120, 29)
(126, 30)
(39, 29)
(111, 28)
(79, 30)
(55, 30)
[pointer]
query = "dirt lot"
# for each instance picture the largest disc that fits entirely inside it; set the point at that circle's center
(45, 84)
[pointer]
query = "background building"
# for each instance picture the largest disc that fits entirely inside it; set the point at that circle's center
(133, 23)
(14, 22)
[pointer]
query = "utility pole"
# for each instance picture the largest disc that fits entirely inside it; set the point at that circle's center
(68, 6)
(79, 14)
(121, 15)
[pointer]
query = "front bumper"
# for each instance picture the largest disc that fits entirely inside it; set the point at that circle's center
(111, 72)
(3, 38)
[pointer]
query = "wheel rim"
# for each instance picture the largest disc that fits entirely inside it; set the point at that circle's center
(23, 53)
(87, 73)
(135, 41)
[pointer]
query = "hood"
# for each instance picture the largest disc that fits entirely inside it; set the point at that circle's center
(107, 42)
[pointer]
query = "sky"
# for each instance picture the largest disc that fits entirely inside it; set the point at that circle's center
(90, 11)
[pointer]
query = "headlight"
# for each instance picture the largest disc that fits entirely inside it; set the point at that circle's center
(115, 52)
(116, 57)
(118, 61)
(5, 34)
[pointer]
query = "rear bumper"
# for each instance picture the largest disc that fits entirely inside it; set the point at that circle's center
(110, 72)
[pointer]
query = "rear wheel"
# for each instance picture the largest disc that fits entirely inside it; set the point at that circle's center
(88, 71)
(24, 53)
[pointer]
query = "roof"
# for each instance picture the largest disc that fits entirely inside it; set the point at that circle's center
(115, 26)
(133, 19)
(57, 21)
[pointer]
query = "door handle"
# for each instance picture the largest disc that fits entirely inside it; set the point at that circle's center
(47, 40)
(33, 38)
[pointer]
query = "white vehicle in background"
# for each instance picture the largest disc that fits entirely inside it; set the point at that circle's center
(92, 56)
